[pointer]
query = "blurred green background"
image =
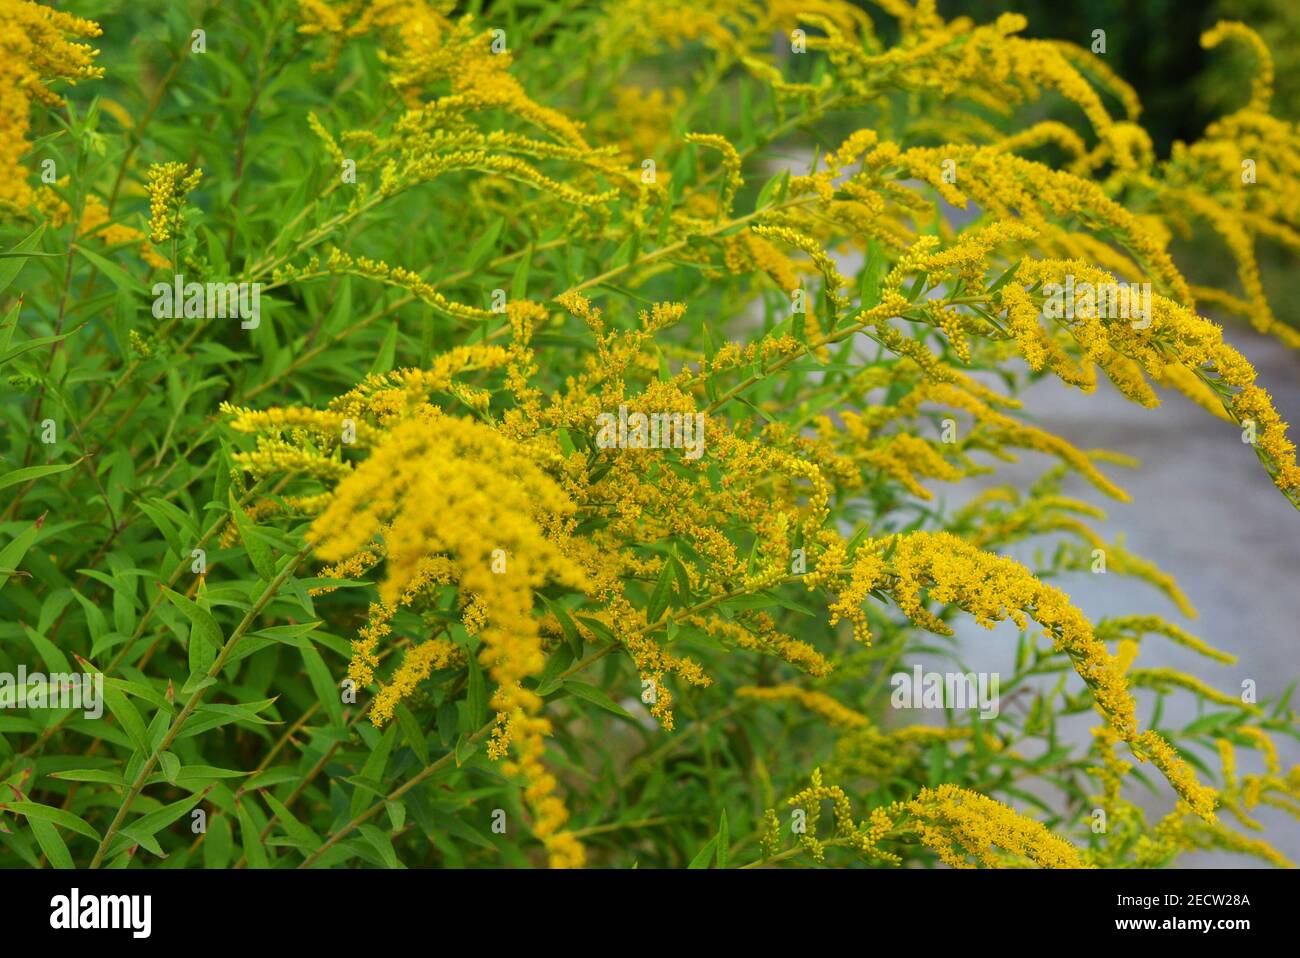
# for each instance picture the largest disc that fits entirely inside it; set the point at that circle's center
(1155, 46)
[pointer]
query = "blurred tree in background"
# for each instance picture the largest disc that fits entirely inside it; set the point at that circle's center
(1155, 46)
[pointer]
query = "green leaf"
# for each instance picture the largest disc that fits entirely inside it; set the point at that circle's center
(10, 265)
(598, 627)
(1211, 722)
(294, 634)
(144, 828)
(58, 816)
(387, 353)
(396, 814)
(164, 524)
(114, 273)
(8, 325)
(414, 733)
(206, 773)
(322, 683)
(170, 765)
(218, 847)
(724, 840)
(241, 712)
(1005, 278)
(571, 636)
(102, 776)
(34, 472)
(873, 272)
(292, 826)
(198, 680)
(683, 580)
(552, 673)
(705, 855)
(128, 718)
(11, 556)
(460, 829)
(31, 344)
(51, 654)
(380, 841)
(659, 597)
(519, 282)
(254, 850)
(374, 767)
(259, 553)
(478, 252)
(768, 194)
(464, 749)
(589, 693)
(203, 625)
(52, 844)
(625, 253)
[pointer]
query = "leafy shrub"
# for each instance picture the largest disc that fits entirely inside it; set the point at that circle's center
(381, 560)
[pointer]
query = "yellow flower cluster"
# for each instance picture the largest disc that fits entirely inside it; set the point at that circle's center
(732, 181)
(961, 825)
(964, 828)
(863, 836)
(818, 703)
(1139, 625)
(416, 666)
(341, 263)
(169, 185)
(1128, 833)
(1177, 334)
(34, 52)
(994, 588)
(1212, 180)
(428, 49)
(386, 398)
(494, 506)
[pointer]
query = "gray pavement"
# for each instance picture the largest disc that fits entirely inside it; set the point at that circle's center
(1203, 510)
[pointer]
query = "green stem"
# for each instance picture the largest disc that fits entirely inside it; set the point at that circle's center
(194, 701)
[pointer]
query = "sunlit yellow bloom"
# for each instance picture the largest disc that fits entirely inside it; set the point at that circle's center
(34, 52)
(169, 185)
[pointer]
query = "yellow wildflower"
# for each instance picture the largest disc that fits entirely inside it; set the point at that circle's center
(169, 185)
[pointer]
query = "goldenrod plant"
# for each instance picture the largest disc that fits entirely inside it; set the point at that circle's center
(530, 434)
